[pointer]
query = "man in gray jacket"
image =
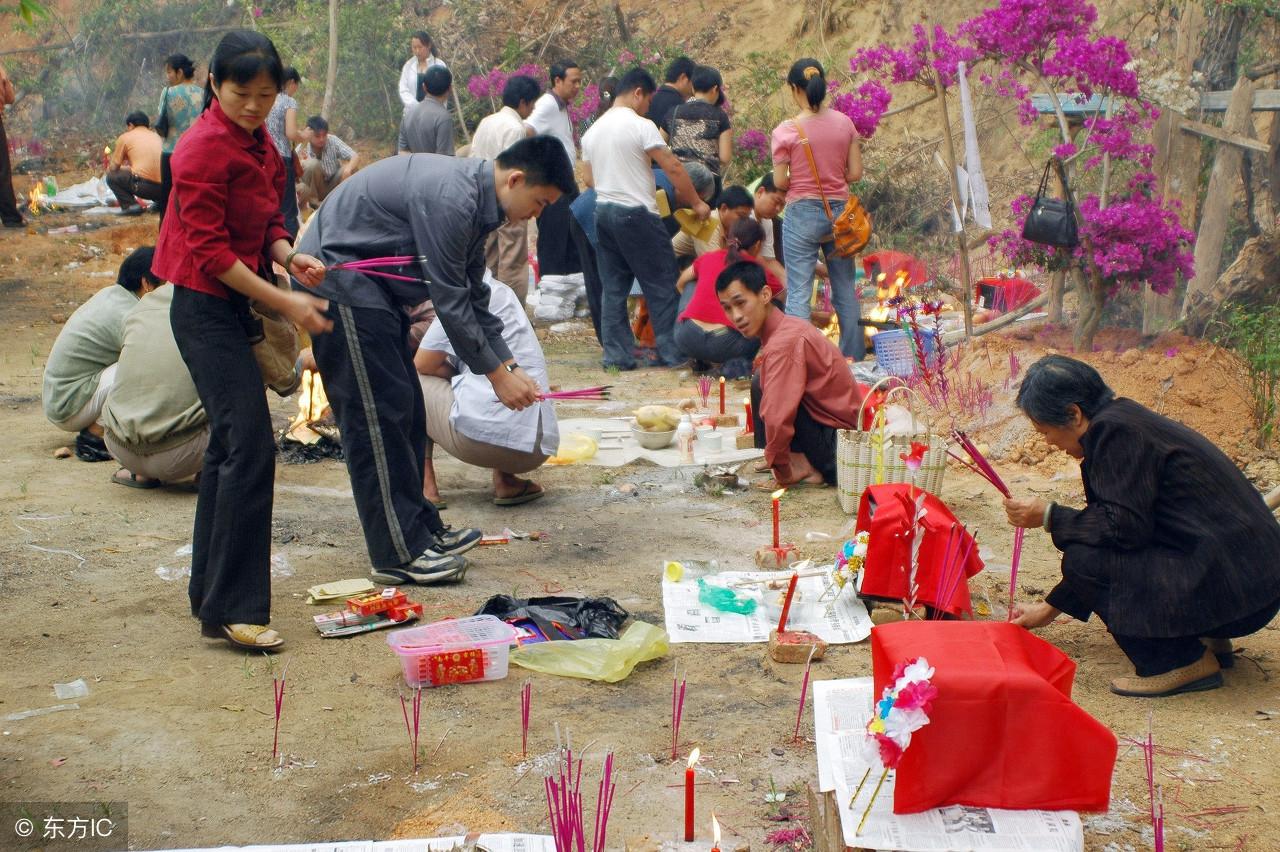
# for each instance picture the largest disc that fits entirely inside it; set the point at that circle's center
(439, 209)
(427, 126)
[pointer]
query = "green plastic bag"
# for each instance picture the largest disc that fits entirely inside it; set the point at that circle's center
(609, 660)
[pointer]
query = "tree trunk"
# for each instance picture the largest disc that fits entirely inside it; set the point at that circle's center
(331, 75)
(1177, 164)
(949, 152)
(1221, 194)
(1057, 289)
(1220, 47)
(1091, 295)
(1251, 279)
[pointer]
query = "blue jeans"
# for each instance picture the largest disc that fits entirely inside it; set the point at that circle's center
(803, 229)
(633, 244)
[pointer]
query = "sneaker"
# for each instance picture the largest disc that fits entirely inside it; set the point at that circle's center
(91, 448)
(429, 568)
(456, 542)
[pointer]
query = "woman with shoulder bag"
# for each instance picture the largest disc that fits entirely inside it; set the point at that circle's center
(216, 251)
(816, 155)
(179, 108)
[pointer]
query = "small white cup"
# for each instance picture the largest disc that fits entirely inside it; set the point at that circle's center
(593, 433)
(711, 441)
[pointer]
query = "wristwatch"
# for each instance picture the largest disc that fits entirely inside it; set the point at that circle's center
(512, 367)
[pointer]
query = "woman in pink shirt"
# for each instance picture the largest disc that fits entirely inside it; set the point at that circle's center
(806, 229)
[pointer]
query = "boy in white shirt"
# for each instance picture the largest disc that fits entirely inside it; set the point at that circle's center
(619, 152)
(557, 255)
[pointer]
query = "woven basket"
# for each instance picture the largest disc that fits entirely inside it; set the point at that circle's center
(872, 457)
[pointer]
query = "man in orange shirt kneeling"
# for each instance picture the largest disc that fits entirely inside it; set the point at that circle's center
(135, 165)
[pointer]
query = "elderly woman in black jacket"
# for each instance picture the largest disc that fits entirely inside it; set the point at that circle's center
(1175, 550)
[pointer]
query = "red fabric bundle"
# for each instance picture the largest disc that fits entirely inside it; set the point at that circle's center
(885, 512)
(1003, 732)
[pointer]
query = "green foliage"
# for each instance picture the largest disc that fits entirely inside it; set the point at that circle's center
(30, 10)
(1253, 333)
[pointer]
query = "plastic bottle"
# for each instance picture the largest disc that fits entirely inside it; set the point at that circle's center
(50, 186)
(684, 439)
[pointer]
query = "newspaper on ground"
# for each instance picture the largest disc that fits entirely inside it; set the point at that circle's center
(617, 447)
(688, 620)
(484, 843)
(841, 709)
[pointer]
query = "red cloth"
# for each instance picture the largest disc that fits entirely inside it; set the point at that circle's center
(891, 263)
(1010, 293)
(225, 204)
(798, 366)
(704, 305)
(885, 512)
(1003, 731)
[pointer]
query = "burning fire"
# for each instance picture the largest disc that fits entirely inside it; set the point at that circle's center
(885, 290)
(313, 406)
(35, 199)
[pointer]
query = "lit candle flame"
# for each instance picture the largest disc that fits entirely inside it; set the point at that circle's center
(106, 149)
(715, 831)
(777, 495)
(693, 757)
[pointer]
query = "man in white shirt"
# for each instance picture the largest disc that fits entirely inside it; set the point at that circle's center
(506, 251)
(619, 151)
(557, 254)
(465, 418)
(769, 202)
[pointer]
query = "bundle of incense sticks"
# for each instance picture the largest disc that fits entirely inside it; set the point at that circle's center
(983, 468)
(1155, 794)
(277, 688)
(372, 265)
(804, 692)
(564, 805)
(526, 701)
(413, 730)
(704, 389)
(601, 392)
(677, 710)
(955, 556)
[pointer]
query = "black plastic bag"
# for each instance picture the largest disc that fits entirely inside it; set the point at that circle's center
(561, 617)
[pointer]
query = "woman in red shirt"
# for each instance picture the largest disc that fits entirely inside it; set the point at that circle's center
(703, 330)
(217, 243)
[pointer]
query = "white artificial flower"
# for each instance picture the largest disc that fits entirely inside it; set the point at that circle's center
(900, 724)
(918, 671)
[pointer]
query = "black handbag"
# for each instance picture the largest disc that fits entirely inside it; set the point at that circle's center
(1052, 221)
(162, 120)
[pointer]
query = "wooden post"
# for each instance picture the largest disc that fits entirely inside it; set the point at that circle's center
(1177, 162)
(1221, 194)
(949, 150)
(331, 75)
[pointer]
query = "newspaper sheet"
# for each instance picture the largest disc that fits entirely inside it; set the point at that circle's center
(485, 843)
(841, 709)
(688, 620)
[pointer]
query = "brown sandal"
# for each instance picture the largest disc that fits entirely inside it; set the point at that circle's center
(251, 637)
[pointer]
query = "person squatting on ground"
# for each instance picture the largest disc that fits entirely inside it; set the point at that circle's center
(1175, 550)
(468, 421)
(802, 391)
(153, 422)
(134, 169)
(326, 162)
(216, 250)
(731, 204)
(699, 129)
(427, 126)
(506, 251)
(703, 330)
(82, 363)
(826, 137)
(443, 208)
(619, 152)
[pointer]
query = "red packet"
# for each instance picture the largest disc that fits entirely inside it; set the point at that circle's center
(454, 666)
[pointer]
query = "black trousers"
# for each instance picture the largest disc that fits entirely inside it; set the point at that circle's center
(166, 184)
(1156, 656)
(816, 440)
(8, 202)
(373, 387)
(128, 187)
(556, 252)
(289, 198)
(231, 541)
(590, 271)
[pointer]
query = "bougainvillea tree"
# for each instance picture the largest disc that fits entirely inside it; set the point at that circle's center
(1129, 235)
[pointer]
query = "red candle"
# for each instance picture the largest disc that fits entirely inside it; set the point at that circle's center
(786, 604)
(750, 426)
(688, 797)
(722, 394)
(777, 501)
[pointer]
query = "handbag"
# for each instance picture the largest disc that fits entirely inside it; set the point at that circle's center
(162, 120)
(274, 342)
(1051, 221)
(851, 230)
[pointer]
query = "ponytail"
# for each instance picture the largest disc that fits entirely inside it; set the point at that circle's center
(744, 236)
(807, 76)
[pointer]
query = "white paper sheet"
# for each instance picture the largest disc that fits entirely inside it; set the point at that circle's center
(618, 447)
(841, 709)
(687, 620)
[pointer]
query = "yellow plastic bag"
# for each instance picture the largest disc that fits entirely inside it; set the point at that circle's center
(574, 447)
(609, 660)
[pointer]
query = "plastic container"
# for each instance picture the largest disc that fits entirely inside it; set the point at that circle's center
(895, 351)
(461, 650)
(684, 439)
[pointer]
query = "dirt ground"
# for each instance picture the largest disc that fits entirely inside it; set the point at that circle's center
(181, 728)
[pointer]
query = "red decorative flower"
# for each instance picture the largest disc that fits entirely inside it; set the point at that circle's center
(890, 752)
(916, 696)
(916, 457)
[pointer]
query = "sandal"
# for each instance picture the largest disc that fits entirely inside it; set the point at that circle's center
(132, 480)
(525, 495)
(251, 637)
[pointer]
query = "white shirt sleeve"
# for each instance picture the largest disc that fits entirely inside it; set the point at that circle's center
(409, 82)
(436, 340)
(543, 116)
(650, 138)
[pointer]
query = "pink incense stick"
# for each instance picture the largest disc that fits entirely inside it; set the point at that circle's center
(412, 730)
(944, 576)
(1018, 535)
(526, 701)
(677, 712)
(277, 688)
(804, 692)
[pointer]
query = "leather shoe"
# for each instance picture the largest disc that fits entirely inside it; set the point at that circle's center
(1203, 674)
(1221, 649)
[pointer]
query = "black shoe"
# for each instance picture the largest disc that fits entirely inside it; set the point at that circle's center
(20, 223)
(91, 448)
(456, 542)
(132, 210)
(427, 569)
(736, 368)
